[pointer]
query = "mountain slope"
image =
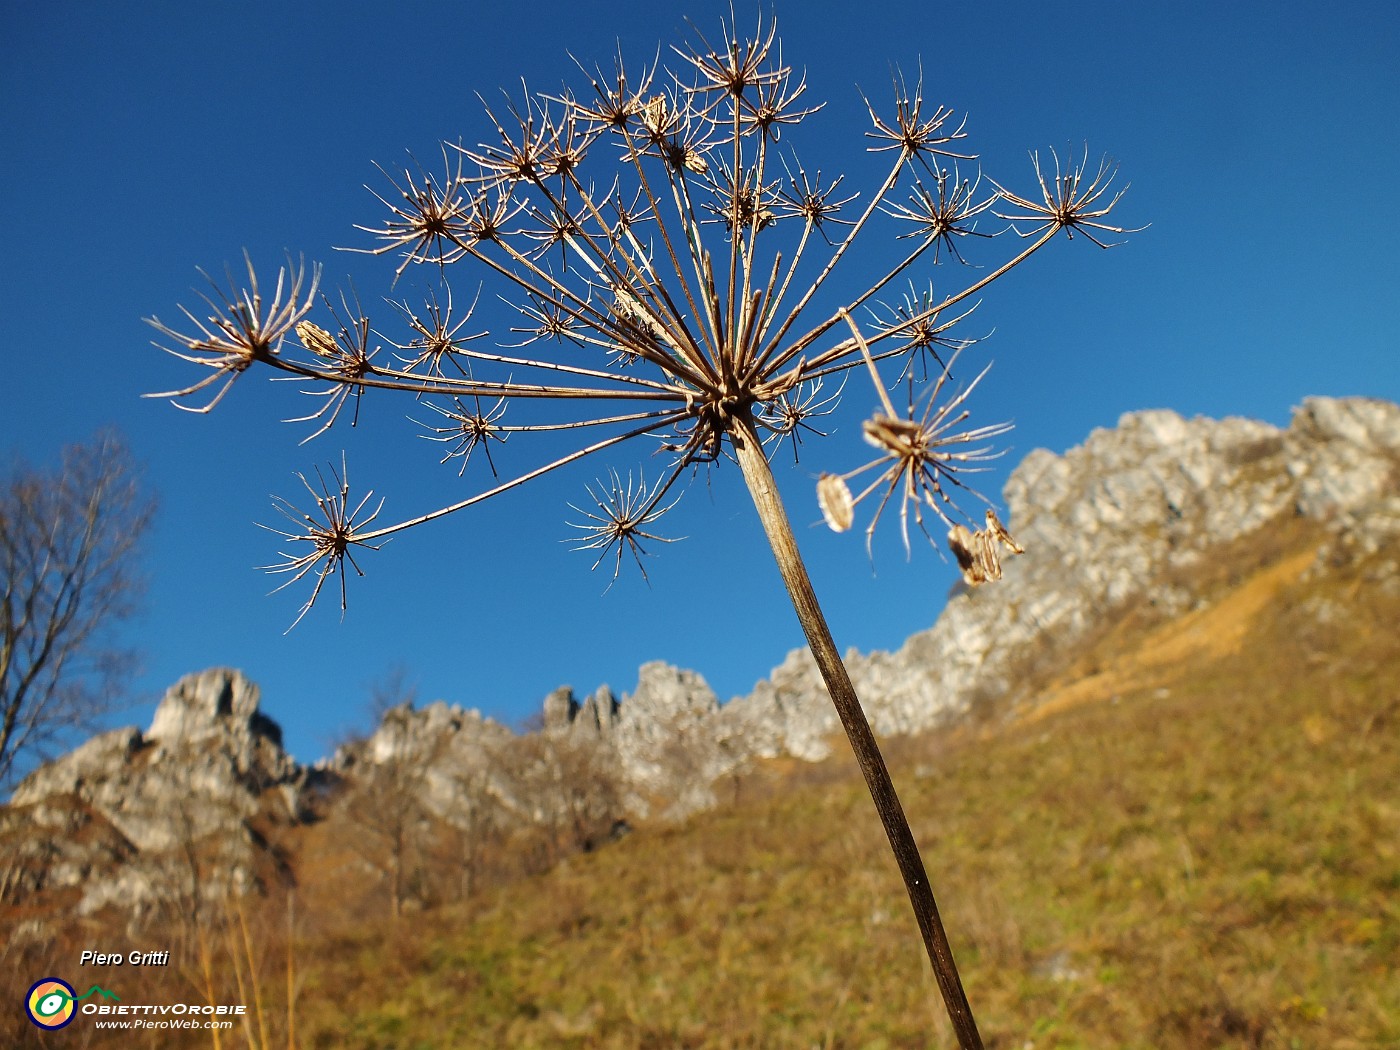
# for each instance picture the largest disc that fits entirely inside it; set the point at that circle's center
(1205, 856)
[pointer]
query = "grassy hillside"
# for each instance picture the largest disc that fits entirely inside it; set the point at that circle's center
(1191, 843)
(1183, 834)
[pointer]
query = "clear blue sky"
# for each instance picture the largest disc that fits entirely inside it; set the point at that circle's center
(144, 140)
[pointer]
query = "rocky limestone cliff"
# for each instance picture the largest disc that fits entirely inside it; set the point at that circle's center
(174, 809)
(661, 738)
(439, 753)
(1101, 526)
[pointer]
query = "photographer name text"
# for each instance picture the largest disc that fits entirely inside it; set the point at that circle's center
(137, 958)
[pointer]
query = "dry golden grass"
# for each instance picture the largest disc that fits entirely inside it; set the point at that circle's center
(1203, 635)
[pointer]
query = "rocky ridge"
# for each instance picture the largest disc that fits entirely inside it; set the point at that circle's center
(1103, 526)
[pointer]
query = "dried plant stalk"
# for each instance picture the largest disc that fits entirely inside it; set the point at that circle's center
(764, 490)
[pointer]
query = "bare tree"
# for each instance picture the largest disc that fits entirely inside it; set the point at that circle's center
(67, 544)
(389, 821)
(475, 829)
(678, 278)
(391, 827)
(567, 788)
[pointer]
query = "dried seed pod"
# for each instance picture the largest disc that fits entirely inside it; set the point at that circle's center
(694, 162)
(317, 339)
(893, 435)
(656, 116)
(996, 530)
(834, 498)
(977, 552)
(963, 543)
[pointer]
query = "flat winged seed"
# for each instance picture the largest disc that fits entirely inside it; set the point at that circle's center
(977, 551)
(893, 435)
(834, 498)
(998, 531)
(987, 556)
(316, 339)
(963, 543)
(654, 114)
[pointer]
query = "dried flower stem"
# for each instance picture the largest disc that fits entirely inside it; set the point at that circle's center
(764, 490)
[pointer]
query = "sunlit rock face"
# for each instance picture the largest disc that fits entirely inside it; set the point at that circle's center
(441, 752)
(175, 809)
(218, 709)
(1101, 525)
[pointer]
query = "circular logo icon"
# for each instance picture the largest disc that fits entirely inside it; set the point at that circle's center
(50, 1003)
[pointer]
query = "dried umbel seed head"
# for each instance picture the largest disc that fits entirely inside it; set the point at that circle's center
(332, 537)
(922, 455)
(1072, 200)
(626, 510)
(243, 328)
(468, 426)
(623, 233)
(676, 277)
(792, 412)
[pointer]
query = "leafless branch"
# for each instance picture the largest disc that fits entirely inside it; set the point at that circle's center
(68, 540)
